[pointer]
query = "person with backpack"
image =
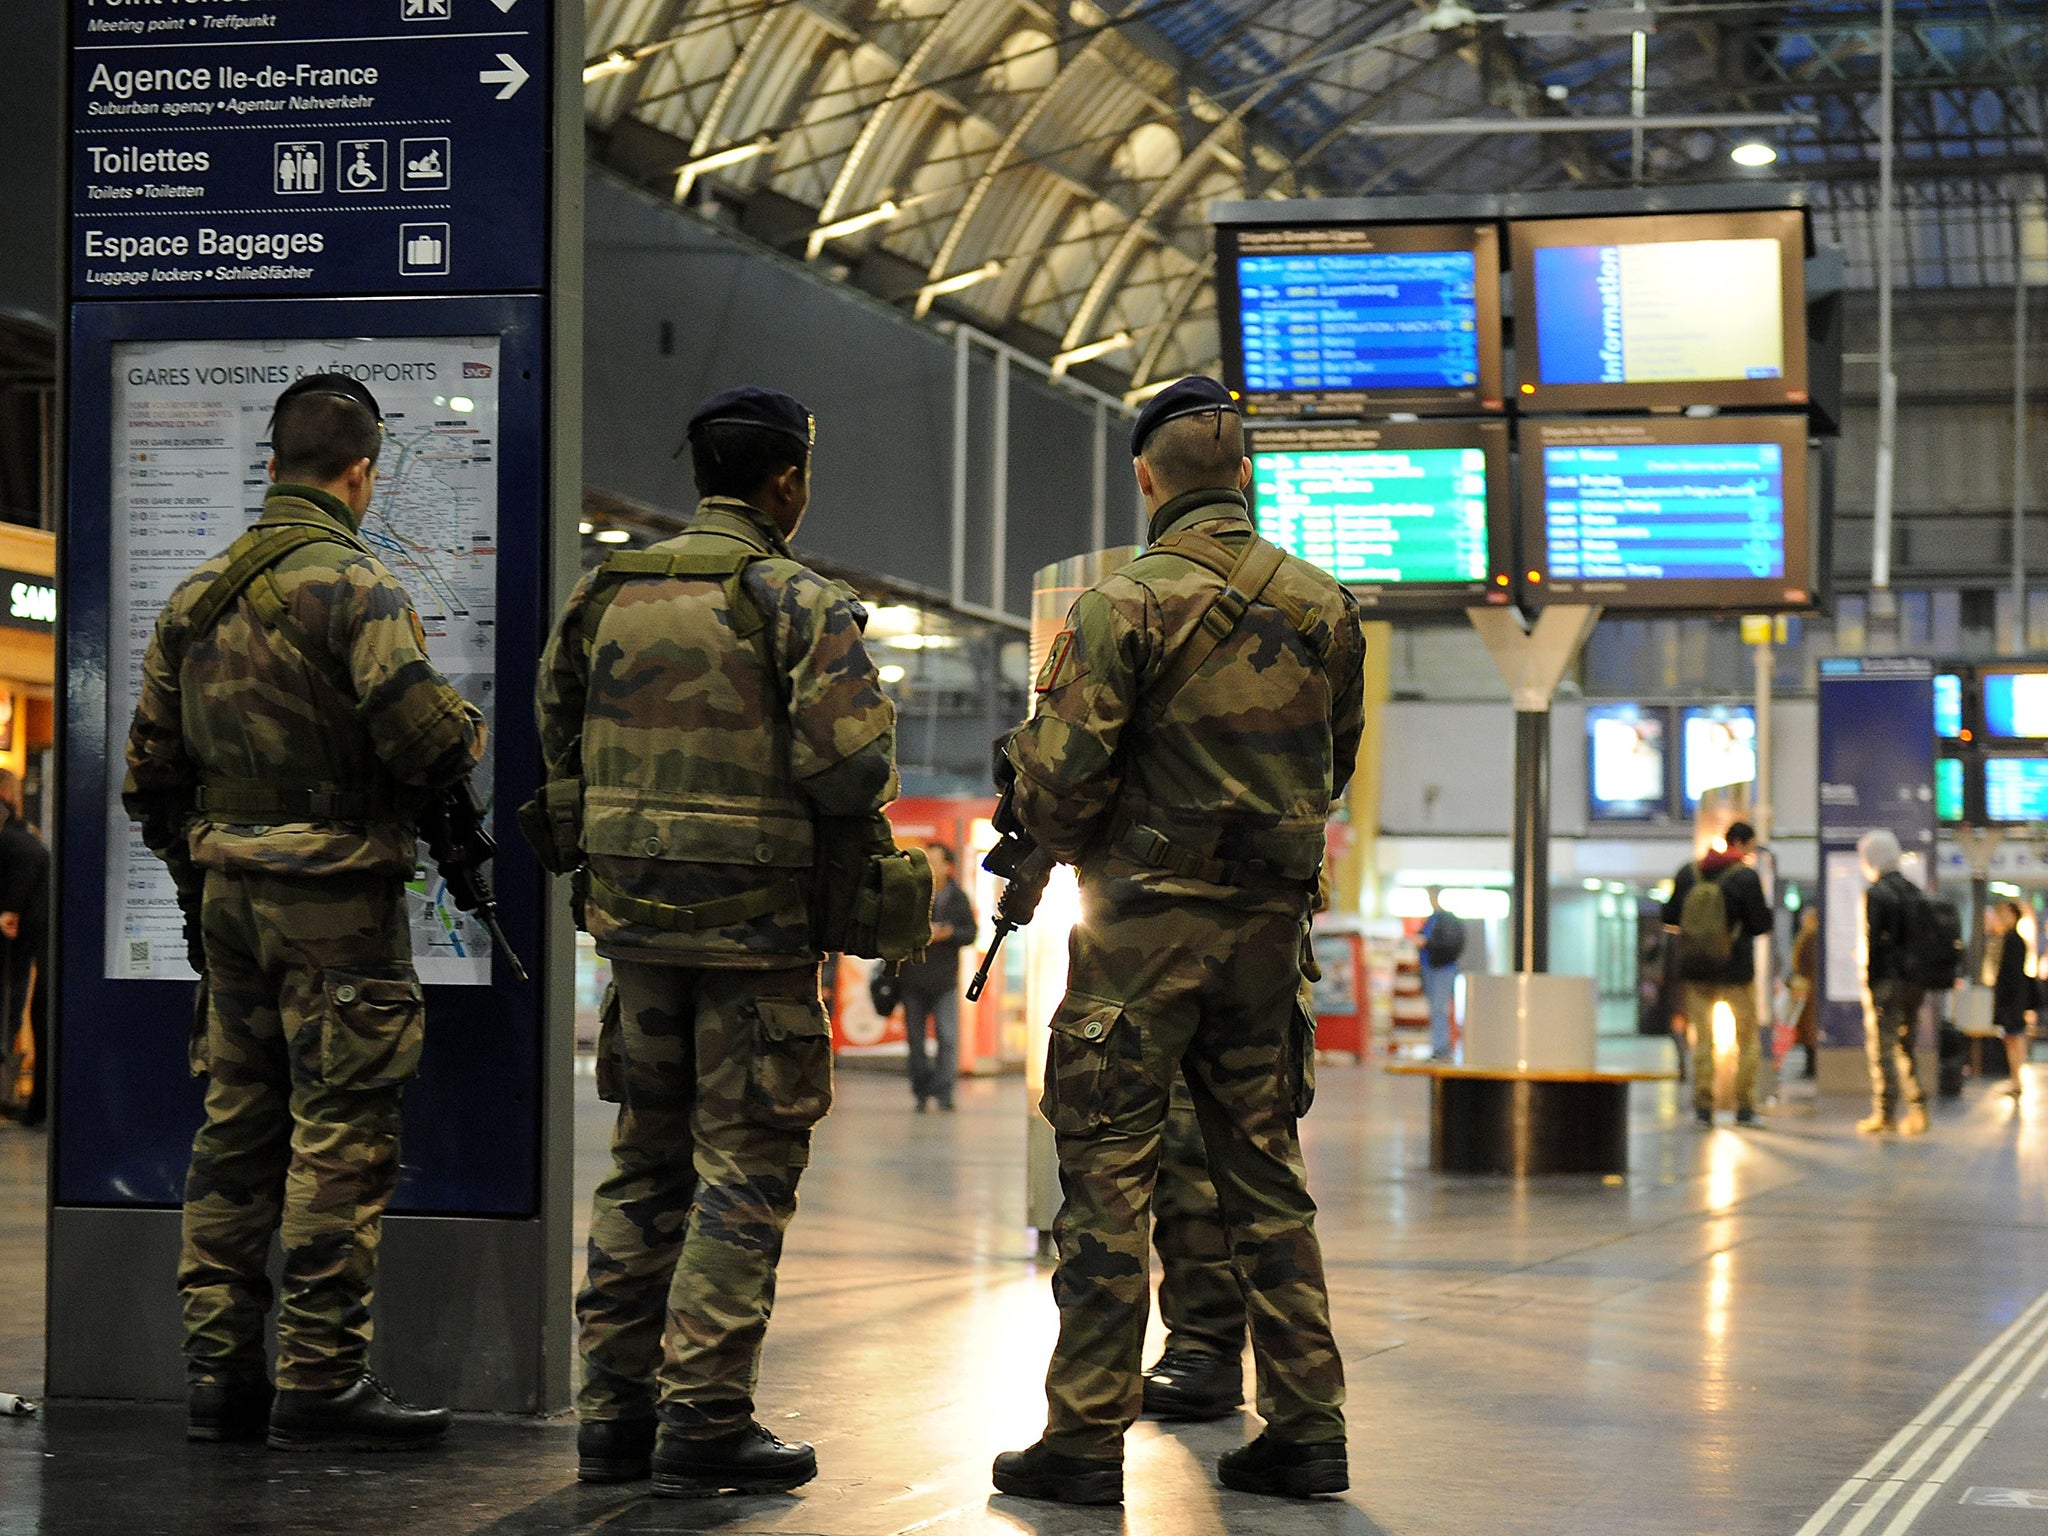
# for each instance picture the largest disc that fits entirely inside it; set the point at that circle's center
(1438, 949)
(1902, 926)
(1717, 907)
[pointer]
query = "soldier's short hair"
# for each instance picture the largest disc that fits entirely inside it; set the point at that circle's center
(731, 458)
(1194, 453)
(316, 437)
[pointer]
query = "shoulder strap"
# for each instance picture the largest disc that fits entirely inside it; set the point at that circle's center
(252, 569)
(1244, 579)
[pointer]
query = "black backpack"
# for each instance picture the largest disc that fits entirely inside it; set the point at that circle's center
(1446, 941)
(1933, 939)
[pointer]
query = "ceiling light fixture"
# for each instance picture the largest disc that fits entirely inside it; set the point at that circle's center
(618, 62)
(688, 172)
(882, 213)
(613, 536)
(1088, 352)
(1755, 154)
(953, 284)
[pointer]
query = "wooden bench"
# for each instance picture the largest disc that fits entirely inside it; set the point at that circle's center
(1520, 1121)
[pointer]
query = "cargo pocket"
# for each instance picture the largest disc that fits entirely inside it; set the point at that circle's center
(1084, 1070)
(374, 1029)
(611, 1048)
(789, 1079)
(1301, 1053)
(198, 1056)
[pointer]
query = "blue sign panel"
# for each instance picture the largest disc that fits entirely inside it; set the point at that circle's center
(288, 148)
(1876, 771)
(1364, 320)
(1669, 511)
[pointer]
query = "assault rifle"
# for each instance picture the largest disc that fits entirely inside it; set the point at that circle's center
(459, 839)
(1024, 868)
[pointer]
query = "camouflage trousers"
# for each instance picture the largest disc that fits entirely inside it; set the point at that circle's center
(1209, 991)
(1199, 1299)
(719, 1076)
(313, 1024)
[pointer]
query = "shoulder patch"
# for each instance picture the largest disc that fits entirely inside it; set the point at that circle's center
(419, 632)
(1062, 666)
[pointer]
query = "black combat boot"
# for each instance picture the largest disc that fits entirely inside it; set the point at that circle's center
(749, 1460)
(1038, 1472)
(367, 1416)
(1283, 1467)
(614, 1450)
(1192, 1384)
(228, 1408)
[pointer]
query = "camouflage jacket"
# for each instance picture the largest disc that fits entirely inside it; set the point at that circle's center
(706, 755)
(1223, 794)
(242, 704)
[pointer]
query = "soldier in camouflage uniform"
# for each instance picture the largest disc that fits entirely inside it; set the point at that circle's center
(1189, 780)
(707, 703)
(278, 754)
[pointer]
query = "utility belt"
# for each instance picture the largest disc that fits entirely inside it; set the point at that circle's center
(699, 916)
(267, 802)
(1148, 845)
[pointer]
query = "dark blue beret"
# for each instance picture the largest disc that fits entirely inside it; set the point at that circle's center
(1184, 397)
(752, 406)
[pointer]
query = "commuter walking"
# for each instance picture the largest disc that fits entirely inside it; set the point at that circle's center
(931, 987)
(2013, 992)
(1439, 948)
(1718, 907)
(1195, 721)
(1892, 997)
(1805, 988)
(25, 926)
(289, 729)
(711, 725)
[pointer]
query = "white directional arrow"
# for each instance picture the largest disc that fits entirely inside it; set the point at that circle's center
(504, 6)
(511, 77)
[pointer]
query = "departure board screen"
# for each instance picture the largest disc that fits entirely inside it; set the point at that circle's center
(1361, 320)
(1631, 312)
(1666, 511)
(2015, 705)
(1948, 705)
(1401, 512)
(1681, 310)
(1707, 513)
(1948, 789)
(2016, 789)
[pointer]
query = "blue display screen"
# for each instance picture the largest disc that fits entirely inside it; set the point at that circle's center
(1663, 312)
(1672, 511)
(1948, 789)
(1948, 705)
(2016, 788)
(1359, 321)
(2015, 704)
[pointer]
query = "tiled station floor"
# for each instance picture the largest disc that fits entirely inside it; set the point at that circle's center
(1790, 1330)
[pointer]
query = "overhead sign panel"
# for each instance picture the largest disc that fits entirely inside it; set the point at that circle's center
(307, 147)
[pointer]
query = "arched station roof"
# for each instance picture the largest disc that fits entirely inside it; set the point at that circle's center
(1057, 160)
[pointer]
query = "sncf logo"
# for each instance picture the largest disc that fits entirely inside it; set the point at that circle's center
(476, 370)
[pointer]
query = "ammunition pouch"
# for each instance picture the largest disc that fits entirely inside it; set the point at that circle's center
(552, 821)
(869, 897)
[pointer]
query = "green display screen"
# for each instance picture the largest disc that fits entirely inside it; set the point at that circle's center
(1948, 789)
(1393, 515)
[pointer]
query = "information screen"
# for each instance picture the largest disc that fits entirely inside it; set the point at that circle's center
(1720, 748)
(2016, 788)
(1627, 749)
(1359, 319)
(1682, 513)
(1948, 705)
(1948, 789)
(2015, 705)
(1675, 309)
(1402, 513)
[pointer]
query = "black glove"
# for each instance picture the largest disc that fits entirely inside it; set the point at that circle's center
(1000, 767)
(195, 942)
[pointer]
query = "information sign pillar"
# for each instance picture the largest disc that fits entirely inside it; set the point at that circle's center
(259, 190)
